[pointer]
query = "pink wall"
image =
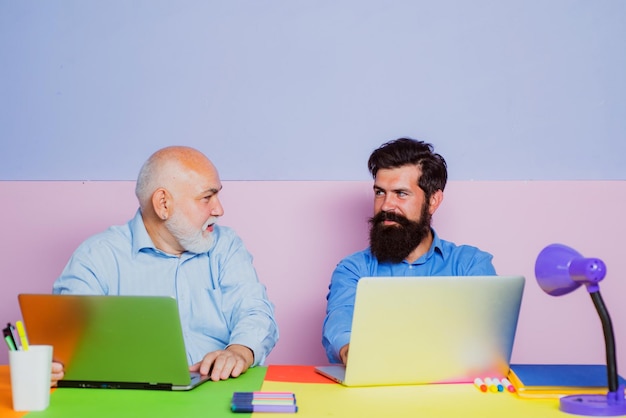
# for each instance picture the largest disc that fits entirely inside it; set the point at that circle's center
(297, 232)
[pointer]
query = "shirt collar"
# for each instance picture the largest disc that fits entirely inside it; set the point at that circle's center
(140, 238)
(437, 243)
(142, 241)
(435, 247)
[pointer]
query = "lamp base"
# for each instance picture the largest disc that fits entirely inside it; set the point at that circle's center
(611, 404)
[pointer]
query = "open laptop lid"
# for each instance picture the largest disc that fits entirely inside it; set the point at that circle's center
(125, 342)
(417, 330)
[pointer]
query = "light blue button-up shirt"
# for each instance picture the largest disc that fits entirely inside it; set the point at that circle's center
(220, 299)
(444, 258)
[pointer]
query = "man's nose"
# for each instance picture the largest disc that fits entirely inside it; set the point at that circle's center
(389, 204)
(217, 209)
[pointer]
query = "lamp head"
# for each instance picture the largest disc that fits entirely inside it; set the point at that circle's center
(560, 270)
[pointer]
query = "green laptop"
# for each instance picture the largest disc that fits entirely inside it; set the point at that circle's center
(113, 342)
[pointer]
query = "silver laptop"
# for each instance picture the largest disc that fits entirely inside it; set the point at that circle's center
(121, 342)
(422, 330)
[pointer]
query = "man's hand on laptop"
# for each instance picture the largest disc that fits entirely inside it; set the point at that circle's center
(343, 353)
(57, 373)
(222, 364)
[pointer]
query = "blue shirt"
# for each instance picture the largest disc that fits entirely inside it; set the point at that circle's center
(220, 299)
(444, 258)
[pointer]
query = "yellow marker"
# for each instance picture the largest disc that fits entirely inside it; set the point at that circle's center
(22, 333)
(491, 384)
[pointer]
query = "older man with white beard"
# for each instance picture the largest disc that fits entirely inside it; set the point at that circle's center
(173, 247)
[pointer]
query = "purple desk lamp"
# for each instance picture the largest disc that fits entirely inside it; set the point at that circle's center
(560, 270)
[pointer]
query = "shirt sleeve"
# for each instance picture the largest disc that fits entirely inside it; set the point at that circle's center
(82, 273)
(339, 309)
(474, 262)
(245, 304)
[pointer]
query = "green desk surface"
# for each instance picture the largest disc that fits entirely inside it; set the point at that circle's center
(211, 399)
(316, 397)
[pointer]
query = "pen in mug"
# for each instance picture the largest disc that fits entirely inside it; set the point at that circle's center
(10, 343)
(22, 333)
(16, 338)
(8, 337)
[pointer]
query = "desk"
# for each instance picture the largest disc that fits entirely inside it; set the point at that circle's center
(316, 397)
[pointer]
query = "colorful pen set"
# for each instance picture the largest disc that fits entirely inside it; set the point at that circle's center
(15, 336)
(264, 402)
(492, 384)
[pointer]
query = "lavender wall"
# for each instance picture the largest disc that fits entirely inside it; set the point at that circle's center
(284, 90)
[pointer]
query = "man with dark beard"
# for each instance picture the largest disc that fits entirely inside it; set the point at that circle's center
(409, 179)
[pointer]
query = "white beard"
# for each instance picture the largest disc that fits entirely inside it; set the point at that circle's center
(191, 239)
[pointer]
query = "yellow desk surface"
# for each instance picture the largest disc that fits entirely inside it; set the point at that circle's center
(316, 397)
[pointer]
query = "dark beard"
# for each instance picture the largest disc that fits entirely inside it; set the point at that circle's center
(395, 243)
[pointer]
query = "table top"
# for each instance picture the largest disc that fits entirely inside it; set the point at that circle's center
(316, 396)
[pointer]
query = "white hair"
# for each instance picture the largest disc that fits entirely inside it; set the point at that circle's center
(147, 182)
(158, 169)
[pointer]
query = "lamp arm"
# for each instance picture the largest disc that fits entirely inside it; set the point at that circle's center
(609, 339)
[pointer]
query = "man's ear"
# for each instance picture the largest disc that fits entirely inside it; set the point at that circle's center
(160, 203)
(435, 201)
